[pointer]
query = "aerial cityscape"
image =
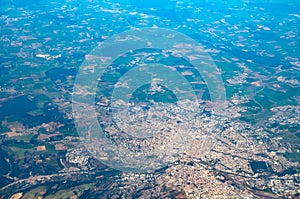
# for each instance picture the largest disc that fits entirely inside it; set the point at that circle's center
(149, 99)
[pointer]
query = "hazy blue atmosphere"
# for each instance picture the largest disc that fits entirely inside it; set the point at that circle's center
(149, 99)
